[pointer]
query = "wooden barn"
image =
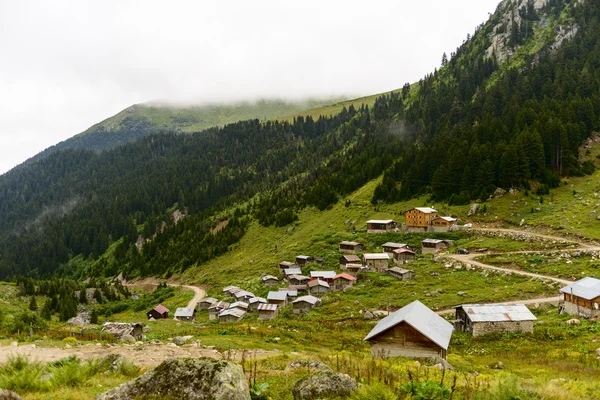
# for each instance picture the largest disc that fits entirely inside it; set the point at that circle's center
(231, 290)
(389, 247)
(267, 311)
(231, 315)
(159, 312)
(240, 305)
(270, 281)
(215, 309)
(351, 259)
(205, 303)
(377, 262)
(434, 245)
(185, 314)
(403, 256)
(341, 281)
(279, 298)
(298, 288)
(292, 271)
(254, 302)
(305, 303)
(298, 279)
(381, 225)
(481, 319)
(401, 273)
(351, 247)
(581, 298)
(285, 265)
(355, 269)
(243, 295)
(303, 260)
(419, 217)
(317, 286)
(412, 331)
(326, 276)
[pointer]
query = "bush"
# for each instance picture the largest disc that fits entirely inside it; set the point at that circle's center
(377, 391)
(427, 390)
(70, 340)
(22, 375)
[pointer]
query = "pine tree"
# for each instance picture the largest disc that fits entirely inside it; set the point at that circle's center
(46, 312)
(82, 296)
(33, 304)
(94, 317)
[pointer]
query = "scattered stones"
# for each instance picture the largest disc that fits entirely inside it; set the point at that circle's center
(324, 385)
(573, 321)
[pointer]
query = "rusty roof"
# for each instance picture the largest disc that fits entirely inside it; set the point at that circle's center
(161, 309)
(344, 276)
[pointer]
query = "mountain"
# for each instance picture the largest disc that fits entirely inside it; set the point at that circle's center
(140, 120)
(510, 108)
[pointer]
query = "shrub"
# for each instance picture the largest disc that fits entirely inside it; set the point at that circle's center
(128, 368)
(427, 390)
(22, 375)
(377, 391)
(70, 340)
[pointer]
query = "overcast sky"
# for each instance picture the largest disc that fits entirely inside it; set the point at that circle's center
(69, 64)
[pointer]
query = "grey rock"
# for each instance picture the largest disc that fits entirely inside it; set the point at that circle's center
(309, 365)
(522, 222)
(462, 293)
(127, 339)
(356, 302)
(598, 351)
(146, 329)
(181, 340)
(473, 209)
(324, 385)
(498, 365)
(111, 363)
(290, 229)
(8, 395)
(368, 315)
(573, 321)
(186, 379)
(440, 363)
(498, 193)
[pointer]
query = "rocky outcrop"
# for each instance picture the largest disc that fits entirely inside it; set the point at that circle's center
(186, 379)
(324, 385)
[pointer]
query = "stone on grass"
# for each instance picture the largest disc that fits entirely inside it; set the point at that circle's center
(598, 351)
(127, 339)
(473, 209)
(368, 315)
(573, 321)
(9, 395)
(498, 365)
(309, 365)
(186, 379)
(181, 340)
(324, 385)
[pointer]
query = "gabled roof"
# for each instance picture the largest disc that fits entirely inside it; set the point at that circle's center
(184, 312)
(380, 221)
(161, 309)
(435, 241)
(345, 243)
(304, 257)
(400, 270)
(497, 312)
(218, 305)
(400, 251)
(299, 277)
(449, 219)
(243, 293)
(257, 300)
(290, 292)
(267, 307)
(351, 258)
(318, 282)
(269, 278)
(210, 300)
(396, 245)
(417, 315)
(355, 266)
(297, 288)
(236, 312)
(426, 210)
(344, 276)
(307, 299)
(277, 296)
(376, 256)
(292, 271)
(286, 264)
(239, 304)
(322, 274)
(229, 288)
(586, 288)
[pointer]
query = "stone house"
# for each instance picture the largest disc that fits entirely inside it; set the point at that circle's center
(279, 298)
(351, 247)
(303, 260)
(159, 312)
(254, 302)
(231, 290)
(285, 265)
(298, 288)
(412, 331)
(581, 298)
(318, 286)
(481, 319)
(205, 303)
(401, 273)
(270, 281)
(241, 305)
(389, 247)
(377, 262)
(351, 259)
(403, 256)
(231, 315)
(215, 309)
(355, 269)
(434, 245)
(267, 311)
(342, 281)
(298, 279)
(292, 271)
(381, 225)
(243, 295)
(305, 303)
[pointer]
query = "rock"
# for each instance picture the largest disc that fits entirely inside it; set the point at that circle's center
(573, 321)
(498, 193)
(498, 365)
(76, 321)
(171, 344)
(127, 339)
(598, 351)
(522, 222)
(309, 365)
(598, 217)
(440, 363)
(356, 302)
(181, 340)
(538, 209)
(14, 343)
(325, 298)
(147, 329)
(111, 363)
(368, 315)
(151, 319)
(8, 395)
(324, 385)
(473, 209)
(462, 293)
(186, 379)
(347, 289)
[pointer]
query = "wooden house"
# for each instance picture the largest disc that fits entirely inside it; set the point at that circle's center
(381, 225)
(231, 315)
(241, 305)
(205, 303)
(419, 217)
(352, 259)
(298, 288)
(291, 293)
(243, 295)
(298, 279)
(292, 271)
(230, 290)
(581, 298)
(303, 260)
(403, 256)
(401, 273)
(267, 311)
(412, 331)
(434, 245)
(342, 281)
(443, 224)
(351, 247)
(389, 247)
(270, 280)
(159, 312)
(355, 269)
(481, 319)
(215, 309)
(305, 303)
(254, 302)
(185, 314)
(326, 276)
(317, 286)
(285, 265)
(377, 262)
(279, 298)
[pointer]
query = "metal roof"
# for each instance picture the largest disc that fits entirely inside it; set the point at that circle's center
(239, 304)
(243, 293)
(267, 307)
(380, 221)
(396, 245)
(344, 276)
(435, 241)
(286, 264)
(355, 266)
(269, 278)
(400, 270)
(323, 274)
(210, 300)
(304, 257)
(257, 300)
(497, 312)
(184, 312)
(400, 251)
(417, 315)
(299, 277)
(161, 309)
(280, 296)
(426, 210)
(228, 288)
(586, 288)
(350, 243)
(307, 299)
(290, 292)
(292, 271)
(318, 282)
(297, 288)
(449, 219)
(219, 304)
(351, 258)
(236, 312)
(376, 256)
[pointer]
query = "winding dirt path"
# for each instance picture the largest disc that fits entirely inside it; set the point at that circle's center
(199, 294)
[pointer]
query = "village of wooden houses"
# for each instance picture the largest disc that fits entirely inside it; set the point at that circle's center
(412, 331)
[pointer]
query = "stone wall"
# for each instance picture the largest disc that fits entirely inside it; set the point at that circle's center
(483, 328)
(573, 309)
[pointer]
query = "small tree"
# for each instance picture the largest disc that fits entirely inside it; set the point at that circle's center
(93, 317)
(82, 296)
(33, 304)
(46, 312)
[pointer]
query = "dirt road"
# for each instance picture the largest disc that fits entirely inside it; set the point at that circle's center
(198, 293)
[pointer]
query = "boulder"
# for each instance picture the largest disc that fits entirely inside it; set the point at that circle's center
(573, 321)
(473, 209)
(111, 362)
(186, 379)
(498, 365)
(181, 340)
(309, 365)
(522, 222)
(8, 395)
(598, 351)
(498, 193)
(368, 315)
(440, 363)
(324, 385)
(147, 329)
(127, 339)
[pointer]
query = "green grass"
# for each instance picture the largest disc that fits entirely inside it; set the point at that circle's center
(483, 243)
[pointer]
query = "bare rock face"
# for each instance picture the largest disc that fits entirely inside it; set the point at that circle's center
(8, 395)
(324, 385)
(186, 379)
(473, 209)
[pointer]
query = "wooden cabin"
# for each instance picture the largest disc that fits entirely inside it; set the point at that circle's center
(243, 295)
(231, 315)
(481, 319)
(318, 286)
(241, 305)
(443, 224)
(326, 276)
(434, 245)
(291, 293)
(403, 256)
(298, 288)
(254, 302)
(351, 247)
(377, 262)
(298, 279)
(159, 312)
(342, 281)
(419, 217)
(355, 269)
(303, 260)
(581, 298)
(381, 225)
(215, 309)
(285, 265)
(389, 247)
(401, 273)
(351, 259)
(292, 271)
(270, 281)
(412, 331)
(185, 314)
(230, 290)
(279, 298)
(305, 303)
(267, 311)
(205, 303)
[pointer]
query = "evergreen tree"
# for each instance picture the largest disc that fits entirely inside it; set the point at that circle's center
(33, 304)
(93, 317)
(46, 312)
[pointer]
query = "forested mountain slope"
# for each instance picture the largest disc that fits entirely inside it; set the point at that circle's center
(509, 108)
